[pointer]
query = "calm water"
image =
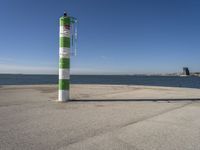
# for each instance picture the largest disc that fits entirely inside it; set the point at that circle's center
(171, 81)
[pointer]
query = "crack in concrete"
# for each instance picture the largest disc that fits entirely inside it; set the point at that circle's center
(152, 116)
(99, 132)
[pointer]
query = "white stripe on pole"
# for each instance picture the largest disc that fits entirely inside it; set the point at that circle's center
(64, 74)
(64, 55)
(63, 95)
(64, 51)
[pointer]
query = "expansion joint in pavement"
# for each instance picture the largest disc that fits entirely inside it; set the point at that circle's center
(113, 129)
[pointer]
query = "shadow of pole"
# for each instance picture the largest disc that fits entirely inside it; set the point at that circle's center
(133, 100)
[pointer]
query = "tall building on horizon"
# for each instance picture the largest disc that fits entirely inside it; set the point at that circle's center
(186, 71)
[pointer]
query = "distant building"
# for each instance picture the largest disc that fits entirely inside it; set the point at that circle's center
(186, 71)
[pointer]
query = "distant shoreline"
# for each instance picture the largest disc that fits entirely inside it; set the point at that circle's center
(142, 75)
(106, 74)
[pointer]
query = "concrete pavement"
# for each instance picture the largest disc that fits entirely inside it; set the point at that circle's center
(31, 119)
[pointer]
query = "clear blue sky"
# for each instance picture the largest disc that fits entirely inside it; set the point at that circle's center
(115, 36)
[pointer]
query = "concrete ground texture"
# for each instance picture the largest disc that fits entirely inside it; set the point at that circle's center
(100, 117)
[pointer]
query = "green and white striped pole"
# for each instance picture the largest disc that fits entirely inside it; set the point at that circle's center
(64, 59)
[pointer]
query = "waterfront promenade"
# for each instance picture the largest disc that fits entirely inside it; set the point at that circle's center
(100, 117)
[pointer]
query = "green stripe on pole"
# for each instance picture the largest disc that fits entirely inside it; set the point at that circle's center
(64, 63)
(65, 42)
(63, 84)
(64, 21)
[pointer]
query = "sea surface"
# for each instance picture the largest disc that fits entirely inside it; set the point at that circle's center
(168, 81)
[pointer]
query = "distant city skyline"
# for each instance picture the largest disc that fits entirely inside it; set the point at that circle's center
(114, 37)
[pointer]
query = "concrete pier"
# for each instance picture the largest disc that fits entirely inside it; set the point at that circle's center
(30, 118)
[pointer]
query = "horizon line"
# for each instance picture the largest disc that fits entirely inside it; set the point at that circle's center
(95, 74)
